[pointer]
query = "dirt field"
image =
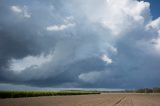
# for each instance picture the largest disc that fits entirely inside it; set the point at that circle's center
(87, 100)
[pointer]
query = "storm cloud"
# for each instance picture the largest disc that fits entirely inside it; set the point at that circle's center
(75, 43)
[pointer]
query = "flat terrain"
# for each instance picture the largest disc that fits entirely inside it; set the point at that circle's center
(109, 99)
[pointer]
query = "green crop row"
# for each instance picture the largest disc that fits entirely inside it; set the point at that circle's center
(17, 94)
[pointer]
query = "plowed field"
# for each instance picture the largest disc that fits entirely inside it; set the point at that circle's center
(110, 99)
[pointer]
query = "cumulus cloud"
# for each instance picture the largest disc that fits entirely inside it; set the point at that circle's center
(96, 43)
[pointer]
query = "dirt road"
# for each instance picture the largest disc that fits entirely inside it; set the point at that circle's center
(87, 100)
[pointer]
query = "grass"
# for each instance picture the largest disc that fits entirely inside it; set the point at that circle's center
(18, 94)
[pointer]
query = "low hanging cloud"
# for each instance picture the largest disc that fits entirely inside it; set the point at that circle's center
(93, 43)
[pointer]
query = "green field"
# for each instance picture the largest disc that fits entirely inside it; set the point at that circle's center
(17, 94)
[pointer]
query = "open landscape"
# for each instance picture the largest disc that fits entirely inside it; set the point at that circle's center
(79, 53)
(104, 99)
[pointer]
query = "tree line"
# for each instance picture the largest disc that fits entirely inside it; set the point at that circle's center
(145, 90)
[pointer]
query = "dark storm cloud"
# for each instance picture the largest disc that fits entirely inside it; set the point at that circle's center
(75, 44)
(19, 37)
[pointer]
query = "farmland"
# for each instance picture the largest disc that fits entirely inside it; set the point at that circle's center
(104, 99)
(18, 94)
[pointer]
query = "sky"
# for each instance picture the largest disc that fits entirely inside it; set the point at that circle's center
(79, 44)
(154, 5)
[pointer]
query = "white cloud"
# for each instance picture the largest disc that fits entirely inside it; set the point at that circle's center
(108, 0)
(22, 11)
(155, 24)
(119, 16)
(68, 23)
(154, 27)
(19, 65)
(106, 59)
(16, 9)
(59, 27)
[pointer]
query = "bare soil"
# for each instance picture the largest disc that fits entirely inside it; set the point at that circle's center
(108, 99)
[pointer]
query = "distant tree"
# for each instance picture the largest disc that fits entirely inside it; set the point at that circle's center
(156, 90)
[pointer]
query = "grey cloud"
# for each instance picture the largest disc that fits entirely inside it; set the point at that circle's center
(76, 51)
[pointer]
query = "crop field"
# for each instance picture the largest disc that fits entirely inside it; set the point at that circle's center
(18, 94)
(104, 99)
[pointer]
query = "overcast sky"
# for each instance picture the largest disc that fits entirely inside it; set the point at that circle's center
(79, 44)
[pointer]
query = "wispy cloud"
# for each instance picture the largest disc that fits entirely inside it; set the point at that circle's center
(19, 65)
(59, 27)
(16, 9)
(23, 11)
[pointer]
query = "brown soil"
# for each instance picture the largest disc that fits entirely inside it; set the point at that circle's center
(109, 99)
